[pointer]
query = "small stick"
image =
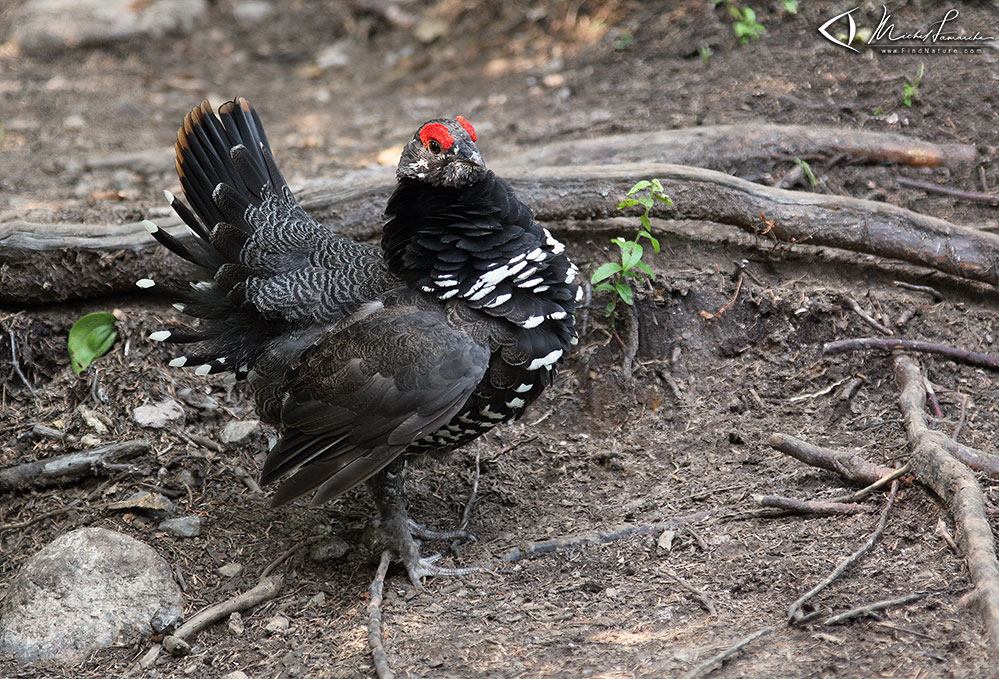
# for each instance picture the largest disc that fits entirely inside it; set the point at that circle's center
(248, 481)
(17, 365)
(933, 292)
(707, 315)
(72, 466)
(877, 485)
(931, 396)
(906, 316)
(973, 196)
(821, 507)
(982, 178)
(266, 589)
(631, 349)
(281, 559)
(466, 514)
(713, 663)
(946, 536)
(850, 390)
(876, 606)
(705, 600)
(559, 544)
(793, 612)
(375, 619)
(850, 466)
(866, 317)
(960, 418)
(8, 527)
(884, 344)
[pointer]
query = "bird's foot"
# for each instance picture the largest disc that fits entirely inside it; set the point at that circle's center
(397, 533)
(421, 531)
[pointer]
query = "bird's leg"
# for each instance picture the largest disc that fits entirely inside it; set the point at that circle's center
(389, 492)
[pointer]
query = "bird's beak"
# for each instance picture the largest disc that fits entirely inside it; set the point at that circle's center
(470, 155)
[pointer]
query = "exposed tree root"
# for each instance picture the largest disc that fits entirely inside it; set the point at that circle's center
(954, 483)
(885, 344)
(378, 655)
(55, 262)
(850, 466)
(63, 468)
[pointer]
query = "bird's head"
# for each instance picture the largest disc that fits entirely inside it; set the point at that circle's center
(442, 153)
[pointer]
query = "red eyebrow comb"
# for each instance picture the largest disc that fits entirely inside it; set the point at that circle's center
(468, 127)
(437, 132)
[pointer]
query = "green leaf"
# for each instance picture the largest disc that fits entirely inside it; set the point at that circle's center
(89, 338)
(626, 203)
(605, 270)
(630, 254)
(604, 286)
(657, 188)
(624, 292)
(640, 186)
(655, 244)
(647, 270)
(645, 222)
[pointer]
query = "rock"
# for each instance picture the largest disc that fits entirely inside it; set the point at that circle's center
(238, 674)
(328, 550)
(335, 55)
(159, 415)
(80, 593)
(277, 625)
(230, 570)
(155, 505)
(237, 430)
(236, 626)
(52, 26)
(198, 400)
(166, 620)
(184, 526)
(176, 646)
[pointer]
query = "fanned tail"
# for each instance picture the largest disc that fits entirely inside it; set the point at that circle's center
(227, 170)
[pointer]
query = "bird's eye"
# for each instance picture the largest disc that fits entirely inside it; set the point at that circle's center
(434, 146)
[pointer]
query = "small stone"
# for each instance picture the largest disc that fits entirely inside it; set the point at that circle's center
(430, 30)
(277, 625)
(230, 570)
(74, 122)
(553, 80)
(176, 646)
(236, 626)
(197, 399)
(330, 549)
(184, 526)
(238, 674)
(93, 419)
(252, 11)
(237, 430)
(156, 505)
(665, 541)
(166, 619)
(317, 600)
(334, 56)
(159, 415)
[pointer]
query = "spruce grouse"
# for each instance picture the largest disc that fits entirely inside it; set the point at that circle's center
(364, 356)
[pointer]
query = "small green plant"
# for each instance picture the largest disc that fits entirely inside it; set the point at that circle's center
(790, 6)
(745, 26)
(705, 52)
(90, 338)
(624, 41)
(910, 90)
(807, 170)
(616, 277)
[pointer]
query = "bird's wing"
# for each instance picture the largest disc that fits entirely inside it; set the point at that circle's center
(367, 391)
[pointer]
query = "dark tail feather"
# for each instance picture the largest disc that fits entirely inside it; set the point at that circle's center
(225, 167)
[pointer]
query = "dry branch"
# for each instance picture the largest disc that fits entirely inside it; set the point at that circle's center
(266, 589)
(876, 606)
(713, 663)
(63, 468)
(820, 507)
(378, 655)
(956, 486)
(886, 344)
(850, 466)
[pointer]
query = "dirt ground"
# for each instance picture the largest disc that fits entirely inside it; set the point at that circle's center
(599, 450)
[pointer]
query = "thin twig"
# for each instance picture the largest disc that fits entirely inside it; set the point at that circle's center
(707, 315)
(8, 527)
(794, 610)
(559, 544)
(931, 397)
(266, 589)
(876, 606)
(820, 507)
(466, 514)
(884, 344)
(705, 600)
(961, 418)
(17, 364)
(972, 196)
(877, 485)
(933, 292)
(281, 559)
(866, 317)
(375, 619)
(713, 663)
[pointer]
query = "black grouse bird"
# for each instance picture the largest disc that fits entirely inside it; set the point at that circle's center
(364, 356)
